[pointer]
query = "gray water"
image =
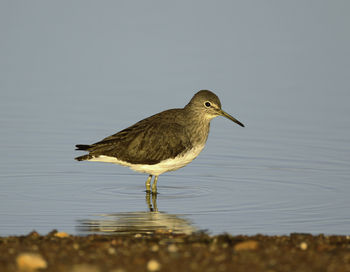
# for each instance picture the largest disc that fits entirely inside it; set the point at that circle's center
(282, 70)
(277, 175)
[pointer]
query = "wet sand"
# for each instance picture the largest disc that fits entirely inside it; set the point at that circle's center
(174, 252)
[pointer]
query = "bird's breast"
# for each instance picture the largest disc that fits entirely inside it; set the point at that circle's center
(170, 164)
(199, 133)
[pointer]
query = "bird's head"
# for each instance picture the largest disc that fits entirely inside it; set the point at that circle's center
(208, 105)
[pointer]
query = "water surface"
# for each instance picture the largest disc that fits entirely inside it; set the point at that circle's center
(270, 177)
(73, 72)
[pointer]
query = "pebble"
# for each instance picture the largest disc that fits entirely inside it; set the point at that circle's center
(30, 262)
(35, 248)
(154, 248)
(118, 270)
(303, 246)
(85, 268)
(111, 250)
(220, 258)
(172, 248)
(61, 234)
(224, 245)
(246, 245)
(76, 246)
(153, 265)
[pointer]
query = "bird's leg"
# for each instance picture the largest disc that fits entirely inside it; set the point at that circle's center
(148, 183)
(151, 206)
(154, 202)
(154, 185)
(148, 200)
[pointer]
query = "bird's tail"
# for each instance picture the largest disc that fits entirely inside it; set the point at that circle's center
(84, 148)
(83, 158)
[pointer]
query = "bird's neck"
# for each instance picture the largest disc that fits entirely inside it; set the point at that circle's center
(198, 128)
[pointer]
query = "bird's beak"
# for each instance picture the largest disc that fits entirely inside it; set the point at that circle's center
(225, 114)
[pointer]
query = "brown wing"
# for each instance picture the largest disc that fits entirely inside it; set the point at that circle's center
(145, 142)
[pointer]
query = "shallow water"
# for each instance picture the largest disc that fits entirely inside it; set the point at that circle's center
(270, 177)
(74, 73)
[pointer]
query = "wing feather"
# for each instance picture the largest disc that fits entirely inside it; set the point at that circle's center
(145, 142)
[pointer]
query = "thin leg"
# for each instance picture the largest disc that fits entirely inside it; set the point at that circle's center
(154, 185)
(148, 183)
(154, 202)
(148, 201)
(152, 207)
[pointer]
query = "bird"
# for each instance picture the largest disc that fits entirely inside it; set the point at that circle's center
(163, 142)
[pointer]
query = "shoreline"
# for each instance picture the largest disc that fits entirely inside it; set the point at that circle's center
(166, 251)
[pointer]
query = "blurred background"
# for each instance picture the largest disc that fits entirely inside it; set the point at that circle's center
(77, 71)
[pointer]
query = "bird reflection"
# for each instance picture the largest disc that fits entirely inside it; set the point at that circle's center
(151, 206)
(144, 222)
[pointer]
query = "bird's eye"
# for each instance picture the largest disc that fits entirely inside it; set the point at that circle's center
(207, 104)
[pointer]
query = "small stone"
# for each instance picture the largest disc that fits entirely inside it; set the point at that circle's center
(246, 245)
(194, 266)
(61, 234)
(118, 270)
(224, 245)
(303, 246)
(85, 268)
(76, 246)
(187, 254)
(114, 242)
(35, 248)
(212, 248)
(138, 235)
(220, 258)
(154, 248)
(153, 265)
(111, 250)
(172, 248)
(30, 262)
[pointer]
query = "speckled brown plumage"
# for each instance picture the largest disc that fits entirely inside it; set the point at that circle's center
(149, 141)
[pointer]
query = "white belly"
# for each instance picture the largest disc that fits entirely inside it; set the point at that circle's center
(159, 168)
